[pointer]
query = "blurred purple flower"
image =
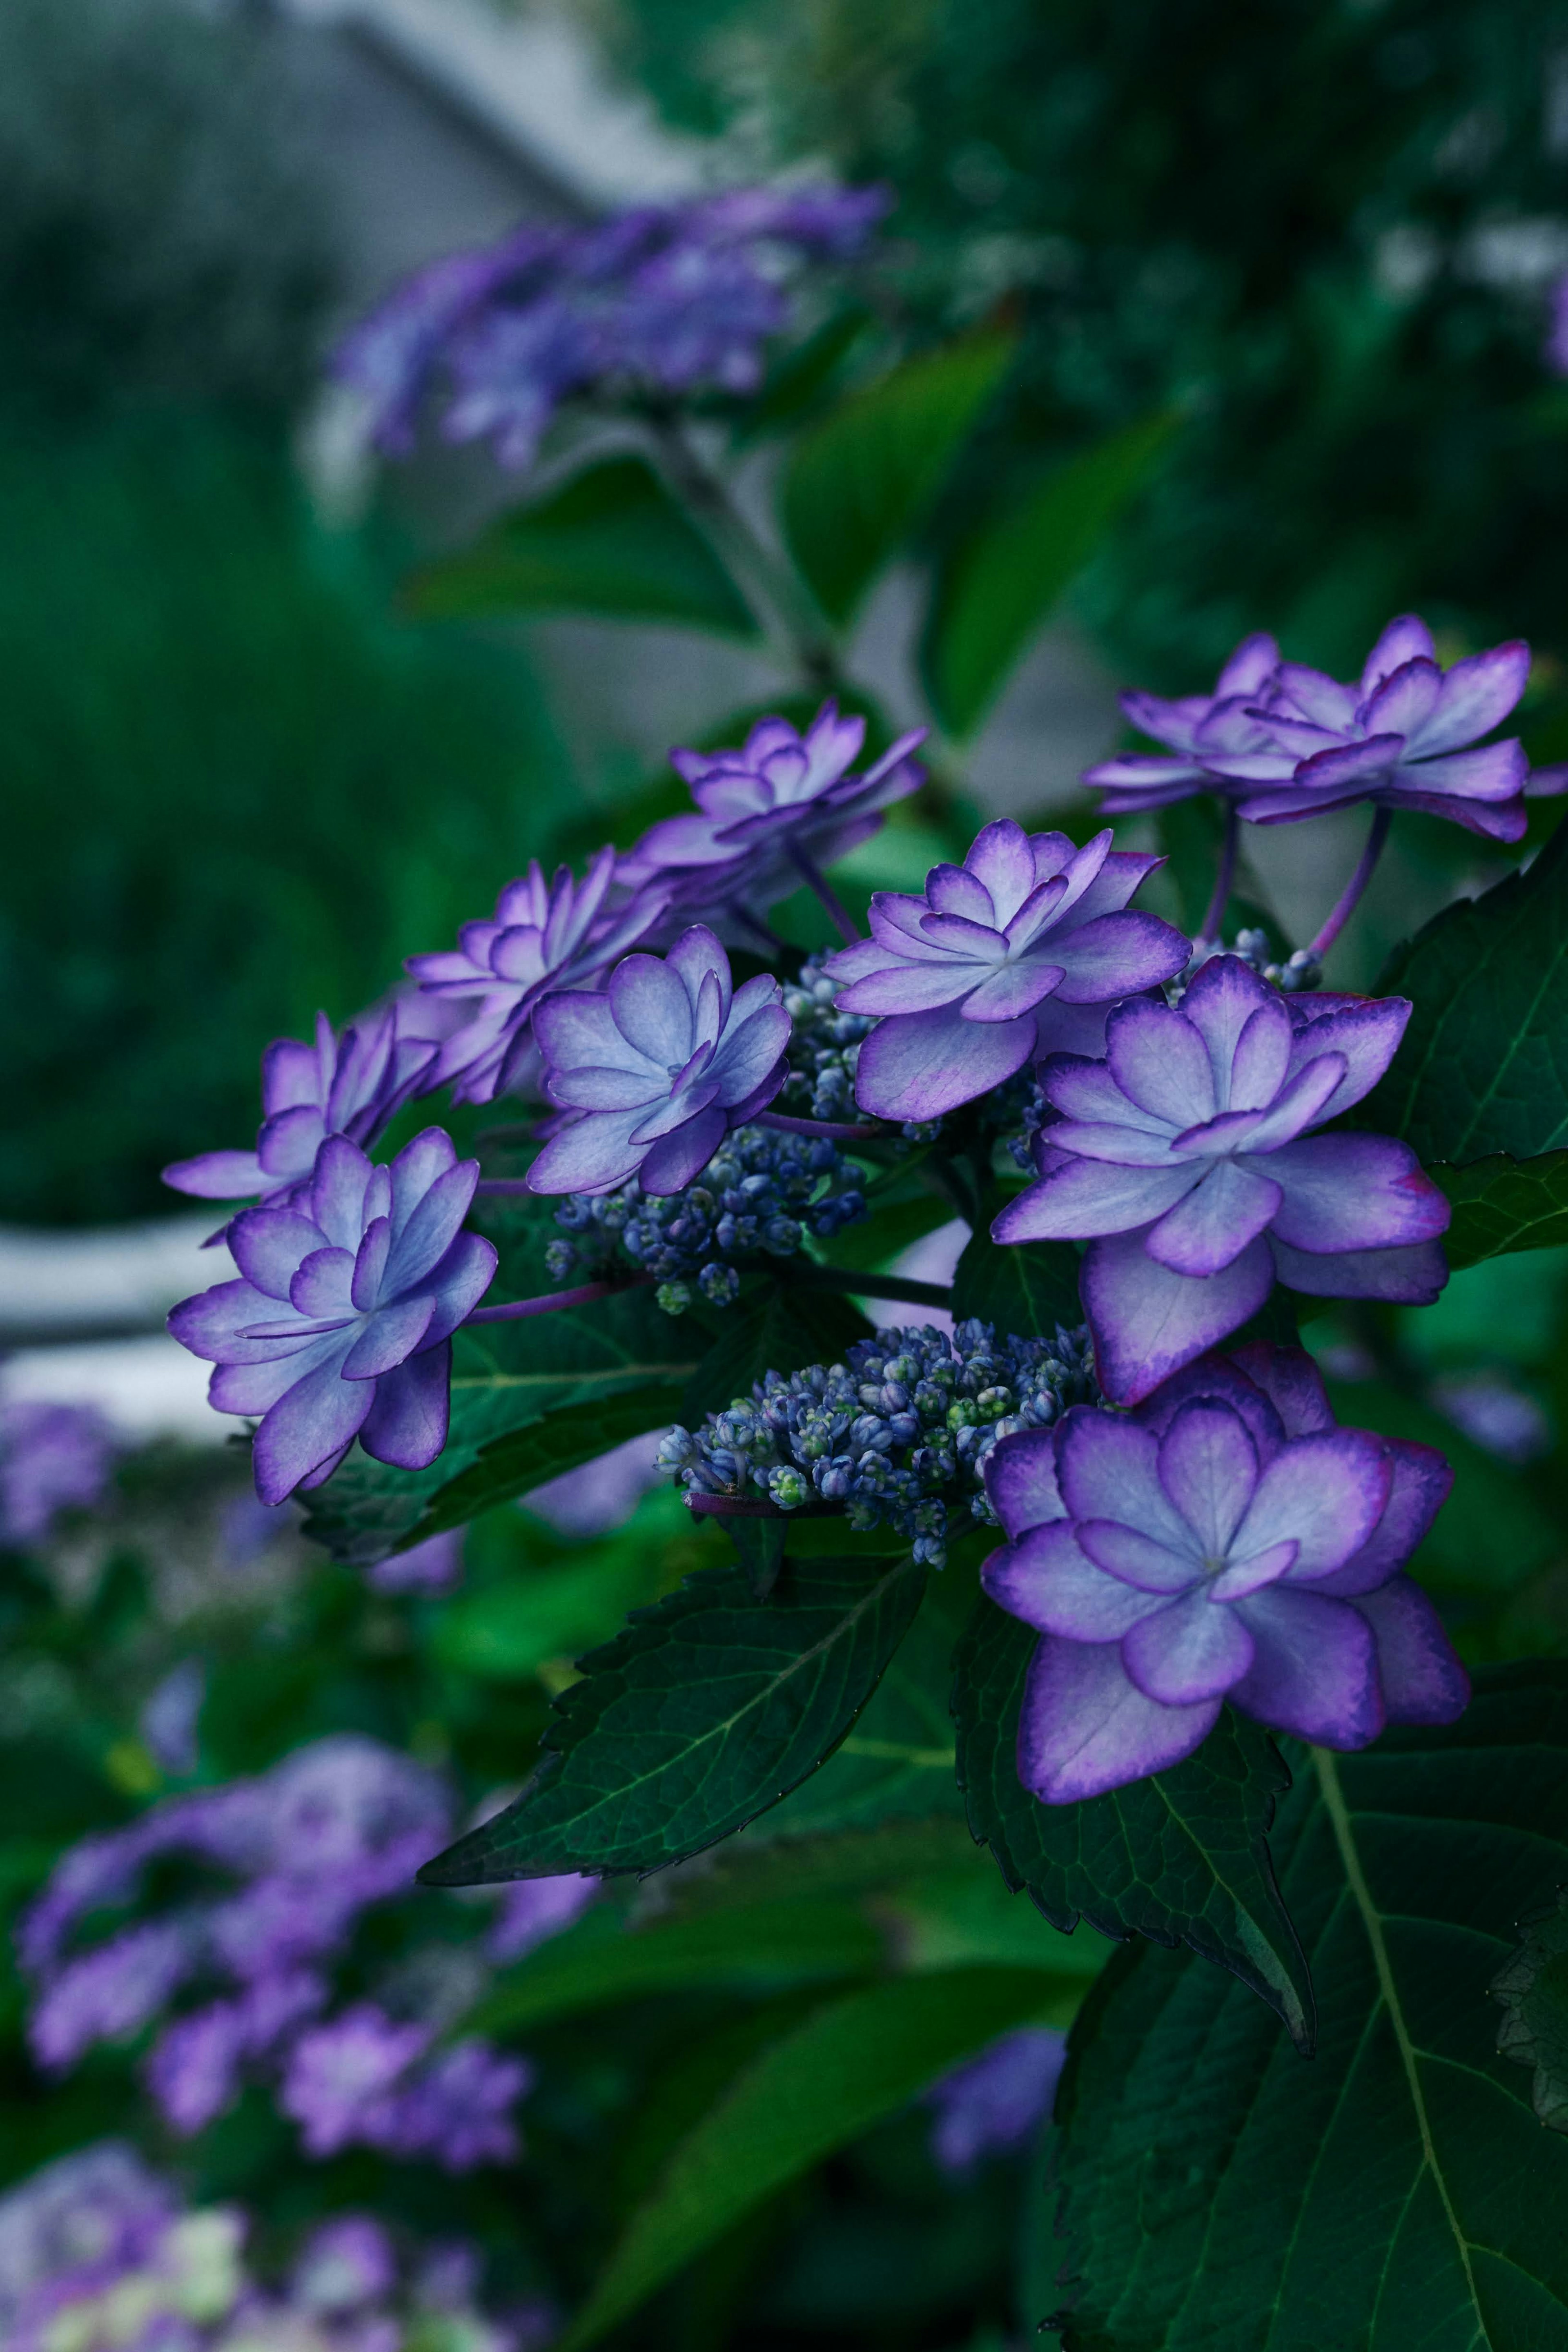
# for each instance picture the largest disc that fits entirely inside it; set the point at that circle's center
(341, 1323)
(1183, 1160)
(74, 2227)
(1228, 1539)
(433, 1566)
(170, 1721)
(1020, 951)
(532, 1910)
(53, 1458)
(1133, 781)
(353, 1084)
(544, 936)
(110, 1993)
(196, 2067)
(993, 2103)
(654, 1071)
(358, 2079)
(457, 2109)
(345, 2263)
(669, 299)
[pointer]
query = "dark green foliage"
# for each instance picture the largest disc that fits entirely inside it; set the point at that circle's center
(1027, 1290)
(613, 542)
(1182, 1858)
(783, 1327)
(1399, 2189)
(546, 1449)
(1483, 1066)
(1502, 1204)
(1532, 1985)
(700, 1713)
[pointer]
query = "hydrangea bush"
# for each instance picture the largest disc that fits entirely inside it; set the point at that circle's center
(1071, 1554)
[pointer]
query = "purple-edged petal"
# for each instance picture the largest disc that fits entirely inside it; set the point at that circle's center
(207, 1324)
(217, 1176)
(1299, 1105)
(323, 1285)
(370, 1265)
(1405, 639)
(1291, 1383)
(1476, 695)
(269, 1245)
(904, 988)
(1219, 1379)
(594, 1154)
(338, 1189)
(1314, 1671)
(1404, 701)
(1021, 1479)
(675, 1110)
(1209, 1230)
(1252, 1573)
(919, 1065)
(1115, 955)
(1158, 1060)
(1493, 771)
(678, 1158)
(1353, 1192)
(458, 1284)
(1423, 1681)
(1016, 989)
(1325, 1493)
(1046, 1579)
(1493, 820)
(652, 1010)
(1209, 1467)
(1085, 1198)
(953, 890)
(576, 1031)
(1321, 699)
(1112, 887)
(1194, 1649)
(407, 1422)
(389, 1338)
(319, 1414)
(1087, 1091)
(1365, 1034)
(1002, 859)
(1136, 1558)
(1114, 1143)
(1262, 1058)
(256, 1388)
(432, 1229)
(1221, 1000)
(749, 1050)
(1147, 1322)
(1406, 1277)
(1419, 1484)
(1086, 1727)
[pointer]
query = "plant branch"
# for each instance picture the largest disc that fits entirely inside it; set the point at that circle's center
(850, 1282)
(1211, 930)
(515, 1311)
(811, 873)
(1349, 897)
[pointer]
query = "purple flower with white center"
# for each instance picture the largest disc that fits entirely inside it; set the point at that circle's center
(772, 812)
(1133, 781)
(544, 936)
(992, 2103)
(1018, 952)
(532, 1910)
(53, 1458)
(342, 1324)
(1227, 1541)
(654, 1071)
(354, 1085)
(1183, 1159)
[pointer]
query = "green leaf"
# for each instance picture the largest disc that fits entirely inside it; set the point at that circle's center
(998, 587)
(748, 1870)
(1482, 1067)
(854, 2061)
(1398, 2191)
(861, 482)
(506, 1630)
(797, 382)
(545, 1449)
(1501, 1205)
(1532, 1985)
(1181, 1858)
(699, 1714)
(1027, 1290)
(782, 1329)
(613, 542)
(757, 1948)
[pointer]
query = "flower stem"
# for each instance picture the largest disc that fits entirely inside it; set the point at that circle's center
(1349, 897)
(849, 1279)
(846, 1129)
(517, 1309)
(1211, 930)
(812, 873)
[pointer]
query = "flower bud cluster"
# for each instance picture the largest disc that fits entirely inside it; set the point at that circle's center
(1301, 971)
(824, 1049)
(898, 1433)
(759, 1196)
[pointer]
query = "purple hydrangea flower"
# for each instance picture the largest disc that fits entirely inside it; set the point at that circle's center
(544, 936)
(1185, 1160)
(345, 2263)
(654, 1071)
(110, 1993)
(671, 299)
(1133, 781)
(991, 2103)
(53, 1458)
(357, 2079)
(77, 2225)
(456, 2110)
(778, 798)
(1020, 950)
(1228, 1541)
(354, 1085)
(196, 2067)
(341, 1323)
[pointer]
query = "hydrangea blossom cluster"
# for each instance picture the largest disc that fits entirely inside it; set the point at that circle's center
(97, 2253)
(760, 1194)
(991, 2104)
(824, 1045)
(53, 1458)
(1228, 1539)
(292, 1860)
(898, 1434)
(668, 299)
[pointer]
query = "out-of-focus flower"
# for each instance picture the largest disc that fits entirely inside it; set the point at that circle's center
(1019, 951)
(991, 2103)
(359, 2079)
(339, 2077)
(1228, 1539)
(654, 1071)
(531, 1910)
(433, 1566)
(1133, 781)
(341, 1323)
(670, 299)
(353, 1084)
(53, 1458)
(1185, 1160)
(170, 1720)
(543, 936)
(345, 2263)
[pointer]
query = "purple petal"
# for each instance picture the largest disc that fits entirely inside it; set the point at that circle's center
(268, 1246)
(677, 1159)
(1219, 1003)
(321, 1413)
(1406, 639)
(1301, 1103)
(1001, 858)
(1209, 1230)
(1194, 1649)
(252, 1388)
(217, 1176)
(1366, 1033)
(1325, 1492)
(1262, 1058)
(1088, 1091)
(407, 1420)
(651, 1009)
(323, 1285)
(1407, 1277)
(1319, 697)
(1494, 772)
(1476, 695)
(1086, 1727)
(919, 1065)
(1021, 1479)
(1250, 668)
(1046, 1579)
(208, 1323)
(1421, 1481)
(698, 958)
(1354, 1191)
(1405, 701)
(1115, 955)
(1148, 1322)
(1291, 1383)
(1315, 1668)
(1160, 1062)
(432, 1229)
(1117, 1143)
(594, 1154)
(689, 1100)
(338, 1189)
(576, 1031)
(1219, 1379)
(1086, 1198)
(1136, 1558)
(953, 890)
(388, 1338)
(1209, 1467)
(1423, 1681)
(1136, 781)
(1493, 820)
(904, 988)
(749, 1050)
(1108, 1469)
(1017, 988)
(371, 1265)
(1112, 887)
(1249, 1574)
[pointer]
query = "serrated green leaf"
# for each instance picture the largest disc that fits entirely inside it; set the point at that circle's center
(747, 1869)
(861, 482)
(1482, 1067)
(756, 1949)
(613, 542)
(998, 587)
(545, 1449)
(853, 2062)
(1501, 1205)
(700, 1713)
(1026, 1290)
(1399, 2190)
(783, 1330)
(1181, 1858)
(1532, 1985)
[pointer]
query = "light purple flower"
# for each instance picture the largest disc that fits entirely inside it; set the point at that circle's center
(78, 2224)
(194, 2068)
(654, 1071)
(1133, 781)
(357, 2079)
(53, 1458)
(1018, 952)
(110, 1993)
(991, 2103)
(544, 936)
(342, 1324)
(345, 2263)
(779, 796)
(532, 1910)
(1185, 1160)
(354, 1085)
(1228, 1541)
(339, 2079)
(457, 2109)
